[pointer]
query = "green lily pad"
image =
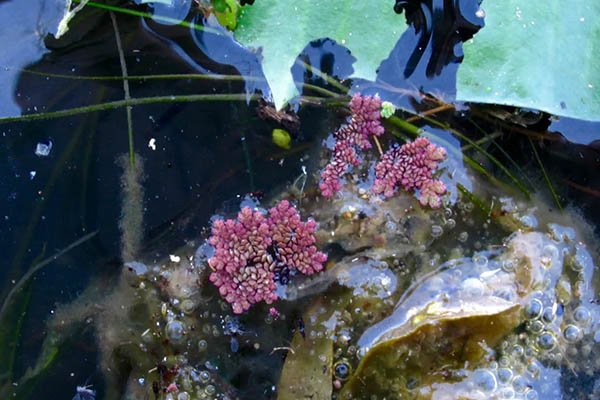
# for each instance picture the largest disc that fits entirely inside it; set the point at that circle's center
(282, 28)
(541, 55)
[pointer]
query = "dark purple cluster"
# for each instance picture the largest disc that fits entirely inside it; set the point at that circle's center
(251, 250)
(365, 121)
(411, 166)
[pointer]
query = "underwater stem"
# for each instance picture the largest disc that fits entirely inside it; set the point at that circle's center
(38, 266)
(508, 157)
(125, 86)
(546, 177)
(482, 151)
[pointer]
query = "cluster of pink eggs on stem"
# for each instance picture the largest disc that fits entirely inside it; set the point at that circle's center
(410, 166)
(252, 250)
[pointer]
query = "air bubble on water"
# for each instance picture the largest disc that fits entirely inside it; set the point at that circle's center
(485, 380)
(534, 309)
(529, 221)
(480, 260)
(504, 375)
(581, 315)
(436, 231)
(520, 384)
(536, 326)
(546, 341)
(571, 333)
(175, 330)
(473, 287)
(548, 314)
(508, 265)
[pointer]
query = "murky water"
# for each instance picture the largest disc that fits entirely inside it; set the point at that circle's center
(103, 325)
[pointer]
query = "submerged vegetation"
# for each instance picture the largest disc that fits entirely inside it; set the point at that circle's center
(454, 264)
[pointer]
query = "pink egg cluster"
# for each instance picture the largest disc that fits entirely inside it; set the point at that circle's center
(252, 249)
(365, 121)
(411, 166)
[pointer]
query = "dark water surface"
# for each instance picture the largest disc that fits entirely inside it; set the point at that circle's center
(208, 155)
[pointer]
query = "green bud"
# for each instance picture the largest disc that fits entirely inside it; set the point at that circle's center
(387, 109)
(281, 138)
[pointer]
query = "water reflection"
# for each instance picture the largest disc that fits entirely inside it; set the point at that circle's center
(429, 52)
(23, 29)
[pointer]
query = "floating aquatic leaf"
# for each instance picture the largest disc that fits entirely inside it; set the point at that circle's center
(281, 28)
(524, 58)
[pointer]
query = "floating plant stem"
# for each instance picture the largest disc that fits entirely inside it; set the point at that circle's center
(319, 89)
(213, 77)
(125, 86)
(217, 77)
(405, 125)
(546, 177)
(331, 80)
(154, 100)
(131, 102)
(508, 157)
(136, 13)
(490, 157)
